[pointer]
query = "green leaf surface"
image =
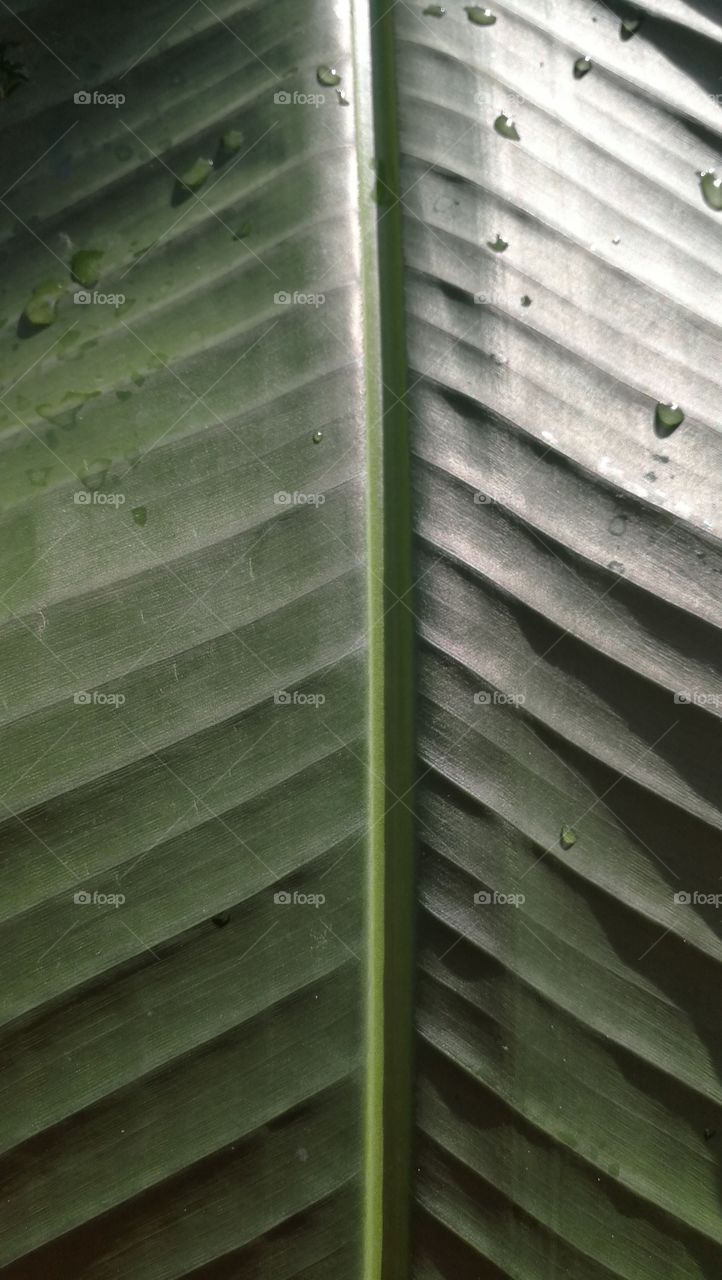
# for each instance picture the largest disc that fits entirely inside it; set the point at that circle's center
(360, 679)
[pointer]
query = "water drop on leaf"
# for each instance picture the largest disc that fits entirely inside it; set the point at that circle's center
(342, 99)
(232, 140)
(317, 437)
(481, 17)
(582, 67)
(85, 265)
(500, 245)
(140, 515)
(630, 27)
(526, 300)
(667, 417)
(328, 76)
(505, 126)
(197, 174)
(567, 836)
(618, 526)
(616, 566)
(711, 189)
(42, 307)
(435, 10)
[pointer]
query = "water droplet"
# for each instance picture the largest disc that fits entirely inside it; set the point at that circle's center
(651, 476)
(140, 515)
(711, 189)
(232, 140)
(667, 417)
(435, 10)
(630, 27)
(505, 126)
(582, 67)
(42, 307)
(616, 239)
(481, 17)
(526, 300)
(618, 526)
(221, 919)
(197, 174)
(567, 836)
(499, 359)
(328, 76)
(242, 232)
(317, 437)
(499, 245)
(342, 99)
(616, 566)
(85, 265)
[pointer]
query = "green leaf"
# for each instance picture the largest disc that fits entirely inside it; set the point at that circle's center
(359, 623)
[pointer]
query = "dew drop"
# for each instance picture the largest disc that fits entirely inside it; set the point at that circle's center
(232, 140)
(616, 566)
(499, 245)
(630, 27)
(567, 836)
(435, 11)
(328, 76)
(197, 174)
(85, 266)
(222, 919)
(505, 126)
(616, 239)
(711, 189)
(140, 515)
(526, 300)
(317, 437)
(618, 526)
(667, 417)
(481, 17)
(43, 304)
(582, 67)
(342, 99)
